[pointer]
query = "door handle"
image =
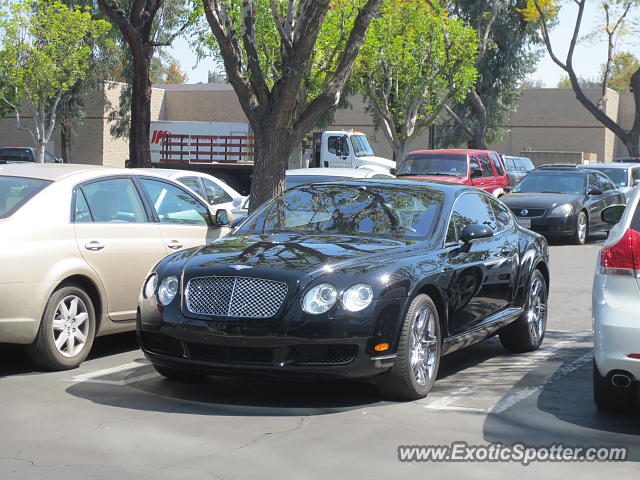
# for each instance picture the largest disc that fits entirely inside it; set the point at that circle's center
(94, 246)
(175, 245)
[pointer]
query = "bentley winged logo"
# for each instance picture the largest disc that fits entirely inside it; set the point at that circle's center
(240, 267)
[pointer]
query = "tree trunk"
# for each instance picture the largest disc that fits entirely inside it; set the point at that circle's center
(478, 140)
(40, 151)
(634, 134)
(65, 141)
(139, 152)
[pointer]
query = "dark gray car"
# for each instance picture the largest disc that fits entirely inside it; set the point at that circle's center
(24, 154)
(517, 168)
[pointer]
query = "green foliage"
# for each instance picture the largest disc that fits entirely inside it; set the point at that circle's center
(624, 65)
(47, 49)
(414, 59)
(510, 59)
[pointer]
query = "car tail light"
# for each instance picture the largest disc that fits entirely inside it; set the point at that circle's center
(622, 258)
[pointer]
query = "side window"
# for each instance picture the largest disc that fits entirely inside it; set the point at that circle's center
(591, 182)
(193, 183)
(174, 205)
(214, 193)
(605, 183)
(497, 164)
(635, 175)
(113, 201)
(338, 145)
(511, 165)
(528, 164)
(474, 164)
(48, 158)
(470, 209)
(503, 215)
(487, 171)
(81, 213)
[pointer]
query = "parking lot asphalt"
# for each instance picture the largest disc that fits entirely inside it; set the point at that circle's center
(115, 418)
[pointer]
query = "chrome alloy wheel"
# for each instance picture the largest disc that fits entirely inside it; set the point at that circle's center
(582, 228)
(70, 326)
(536, 309)
(424, 346)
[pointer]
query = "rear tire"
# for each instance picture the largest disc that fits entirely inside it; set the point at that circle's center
(418, 355)
(177, 374)
(581, 229)
(527, 332)
(67, 330)
(609, 398)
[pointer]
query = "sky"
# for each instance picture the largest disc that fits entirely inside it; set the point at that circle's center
(587, 59)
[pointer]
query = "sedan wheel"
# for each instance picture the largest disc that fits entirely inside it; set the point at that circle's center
(582, 229)
(526, 333)
(66, 331)
(418, 354)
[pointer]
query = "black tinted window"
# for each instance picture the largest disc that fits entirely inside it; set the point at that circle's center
(16, 191)
(16, 155)
(470, 209)
(497, 164)
(487, 171)
(502, 215)
(349, 210)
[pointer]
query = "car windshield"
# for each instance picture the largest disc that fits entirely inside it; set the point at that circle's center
(450, 164)
(560, 182)
(619, 176)
(16, 155)
(380, 211)
(361, 147)
(16, 191)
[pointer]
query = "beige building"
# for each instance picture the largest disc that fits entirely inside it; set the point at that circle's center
(547, 120)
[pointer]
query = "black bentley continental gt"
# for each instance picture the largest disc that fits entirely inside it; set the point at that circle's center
(352, 278)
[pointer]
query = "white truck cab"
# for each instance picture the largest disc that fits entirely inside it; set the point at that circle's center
(347, 149)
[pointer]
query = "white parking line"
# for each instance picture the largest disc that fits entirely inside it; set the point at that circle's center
(93, 376)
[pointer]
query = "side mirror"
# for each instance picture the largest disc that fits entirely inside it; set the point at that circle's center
(476, 173)
(594, 192)
(392, 171)
(471, 233)
(222, 217)
(507, 189)
(612, 214)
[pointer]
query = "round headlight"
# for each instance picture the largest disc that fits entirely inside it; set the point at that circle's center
(320, 298)
(150, 286)
(357, 297)
(168, 289)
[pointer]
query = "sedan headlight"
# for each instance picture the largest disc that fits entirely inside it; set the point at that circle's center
(561, 211)
(168, 289)
(150, 286)
(358, 297)
(320, 299)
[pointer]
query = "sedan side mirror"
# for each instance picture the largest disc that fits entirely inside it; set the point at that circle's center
(594, 192)
(476, 173)
(471, 233)
(612, 214)
(222, 217)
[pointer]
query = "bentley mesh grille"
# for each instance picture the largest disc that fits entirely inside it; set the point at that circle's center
(235, 296)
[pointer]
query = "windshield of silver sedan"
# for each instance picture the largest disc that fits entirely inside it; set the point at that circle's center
(387, 211)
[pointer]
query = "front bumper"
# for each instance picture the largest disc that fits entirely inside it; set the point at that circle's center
(616, 324)
(293, 345)
(21, 308)
(553, 226)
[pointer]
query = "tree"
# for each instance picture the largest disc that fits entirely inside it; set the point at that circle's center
(47, 48)
(616, 14)
(565, 82)
(145, 25)
(506, 57)
(288, 62)
(415, 59)
(623, 66)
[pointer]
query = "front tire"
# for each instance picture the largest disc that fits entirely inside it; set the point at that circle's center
(609, 398)
(418, 354)
(67, 330)
(527, 332)
(581, 230)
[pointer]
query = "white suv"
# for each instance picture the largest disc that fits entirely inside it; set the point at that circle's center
(616, 310)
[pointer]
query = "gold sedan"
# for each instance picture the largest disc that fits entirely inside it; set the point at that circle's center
(76, 243)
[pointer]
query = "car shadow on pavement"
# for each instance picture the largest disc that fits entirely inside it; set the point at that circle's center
(563, 412)
(14, 360)
(593, 239)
